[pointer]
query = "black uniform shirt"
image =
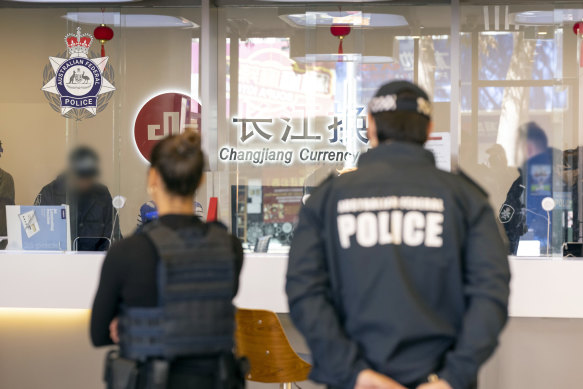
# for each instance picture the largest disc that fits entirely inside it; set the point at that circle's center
(6, 198)
(398, 267)
(128, 276)
(92, 213)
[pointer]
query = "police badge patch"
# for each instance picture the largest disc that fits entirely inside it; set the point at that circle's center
(78, 81)
(506, 213)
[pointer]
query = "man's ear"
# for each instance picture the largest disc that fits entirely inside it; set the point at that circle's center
(371, 131)
(152, 178)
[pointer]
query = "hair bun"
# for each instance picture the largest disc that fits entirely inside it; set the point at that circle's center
(192, 137)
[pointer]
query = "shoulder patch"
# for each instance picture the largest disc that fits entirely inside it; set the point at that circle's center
(506, 213)
(473, 183)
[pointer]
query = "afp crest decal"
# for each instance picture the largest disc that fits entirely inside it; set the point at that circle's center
(506, 213)
(77, 86)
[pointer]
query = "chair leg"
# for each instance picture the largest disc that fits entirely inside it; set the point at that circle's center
(285, 385)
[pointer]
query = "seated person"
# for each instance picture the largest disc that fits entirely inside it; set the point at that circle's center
(6, 198)
(92, 213)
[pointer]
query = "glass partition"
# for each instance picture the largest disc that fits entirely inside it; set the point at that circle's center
(520, 119)
(292, 104)
(149, 87)
(285, 107)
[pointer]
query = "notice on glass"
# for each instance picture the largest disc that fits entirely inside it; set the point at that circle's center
(439, 144)
(30, 223)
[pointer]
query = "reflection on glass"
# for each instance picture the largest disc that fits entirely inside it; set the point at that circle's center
(296, 97)
(519, 121)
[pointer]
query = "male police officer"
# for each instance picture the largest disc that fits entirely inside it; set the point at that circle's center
(398, 276)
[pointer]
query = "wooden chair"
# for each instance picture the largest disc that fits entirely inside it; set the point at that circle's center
(260, 338)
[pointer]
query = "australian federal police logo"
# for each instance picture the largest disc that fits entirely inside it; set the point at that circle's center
(506, 213)
(78, 80)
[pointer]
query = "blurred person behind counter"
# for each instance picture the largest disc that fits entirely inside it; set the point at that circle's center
(6, 198)
(90, 202)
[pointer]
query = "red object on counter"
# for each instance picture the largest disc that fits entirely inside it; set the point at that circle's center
(212, 215)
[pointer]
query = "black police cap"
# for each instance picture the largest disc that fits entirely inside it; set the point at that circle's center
(389, 99)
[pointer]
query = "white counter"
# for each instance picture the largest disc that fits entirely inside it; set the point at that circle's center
(69, 280)
(48, 279)
(540, 287)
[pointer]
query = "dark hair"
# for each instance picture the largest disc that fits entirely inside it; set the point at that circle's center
(84, 162)
(404, 126)
(536, 135)
(180, 161)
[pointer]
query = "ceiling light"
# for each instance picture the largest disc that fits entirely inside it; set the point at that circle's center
(351, 18)
(117, 19)
(76, 1)
(538, 18)
(370, 59)
(495, 33)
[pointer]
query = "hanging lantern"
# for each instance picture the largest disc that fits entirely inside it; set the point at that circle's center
(103, 34)
(578, 30)
(340, 31)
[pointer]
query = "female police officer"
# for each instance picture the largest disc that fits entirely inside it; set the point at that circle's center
(165, 292)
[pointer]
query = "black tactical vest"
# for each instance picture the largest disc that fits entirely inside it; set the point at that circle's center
(195, 315)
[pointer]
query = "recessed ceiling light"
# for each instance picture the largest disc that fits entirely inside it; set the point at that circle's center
(370, 59)
(351, 18)
(129, 20)
(324, 1)
(76, 1)
(546, 18)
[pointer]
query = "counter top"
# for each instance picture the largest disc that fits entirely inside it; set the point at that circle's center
(48, 279)
(41, 279)
(541, 287)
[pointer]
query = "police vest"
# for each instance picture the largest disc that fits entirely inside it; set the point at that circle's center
(195, 314)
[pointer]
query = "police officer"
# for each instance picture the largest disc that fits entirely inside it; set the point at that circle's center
(398, 276)
(165, 293)
(522, 214)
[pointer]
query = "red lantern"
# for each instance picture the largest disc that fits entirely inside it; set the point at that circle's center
(578, 30)
(340, 31)
(103, 34)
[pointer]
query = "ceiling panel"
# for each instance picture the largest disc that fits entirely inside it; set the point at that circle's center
(75, 4)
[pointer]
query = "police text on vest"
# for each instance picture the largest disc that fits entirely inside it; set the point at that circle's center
(406, 220)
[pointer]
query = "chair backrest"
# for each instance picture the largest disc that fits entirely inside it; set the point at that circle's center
(260, 338)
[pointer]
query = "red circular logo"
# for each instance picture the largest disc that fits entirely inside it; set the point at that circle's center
(163, 115)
